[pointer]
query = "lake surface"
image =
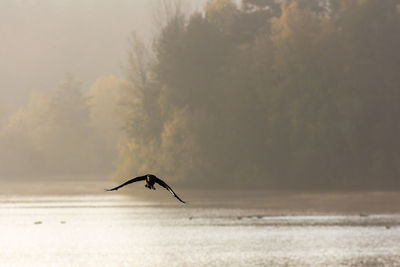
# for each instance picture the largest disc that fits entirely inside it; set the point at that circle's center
(121, 230)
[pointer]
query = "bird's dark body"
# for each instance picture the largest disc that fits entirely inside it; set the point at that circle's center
(150, 180)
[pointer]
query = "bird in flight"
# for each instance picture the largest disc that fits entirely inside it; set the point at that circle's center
(150, 181)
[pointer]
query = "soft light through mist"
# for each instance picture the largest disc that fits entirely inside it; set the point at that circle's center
(44, 40)
(276, 121)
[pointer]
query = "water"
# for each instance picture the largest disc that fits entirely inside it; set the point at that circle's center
(118, 230)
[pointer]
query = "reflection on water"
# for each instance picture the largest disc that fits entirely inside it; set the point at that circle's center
(116, 230)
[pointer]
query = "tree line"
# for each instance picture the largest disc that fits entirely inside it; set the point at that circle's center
(270, 94)
(70, 133)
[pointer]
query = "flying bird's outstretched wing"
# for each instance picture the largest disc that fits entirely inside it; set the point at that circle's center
(139, 178)
(163, 184)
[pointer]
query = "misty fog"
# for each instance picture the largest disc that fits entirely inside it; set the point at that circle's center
(268, 94)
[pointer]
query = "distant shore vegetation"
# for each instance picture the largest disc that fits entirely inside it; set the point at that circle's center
(298, 94)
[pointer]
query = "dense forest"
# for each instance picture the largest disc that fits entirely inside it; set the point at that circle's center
(268, 94)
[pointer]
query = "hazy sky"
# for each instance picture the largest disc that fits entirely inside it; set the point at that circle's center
(43, 40)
